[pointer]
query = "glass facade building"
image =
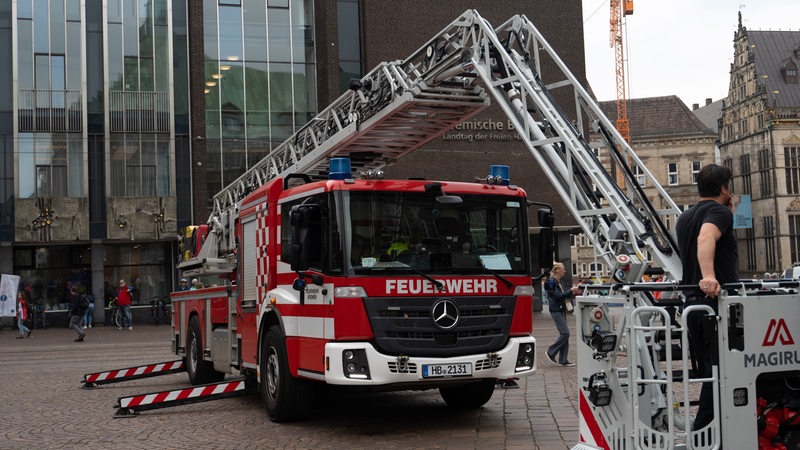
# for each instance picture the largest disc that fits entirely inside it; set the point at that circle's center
(259, 80)
(96, 132)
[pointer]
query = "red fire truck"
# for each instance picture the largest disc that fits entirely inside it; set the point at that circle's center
(368, 283)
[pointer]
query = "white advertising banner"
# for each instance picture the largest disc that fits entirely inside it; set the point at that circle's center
(8, 295)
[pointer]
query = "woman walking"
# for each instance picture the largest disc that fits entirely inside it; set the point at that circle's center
(557, 298)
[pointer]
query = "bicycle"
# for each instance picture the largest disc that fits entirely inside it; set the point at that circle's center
(158, 307)
(116, 314)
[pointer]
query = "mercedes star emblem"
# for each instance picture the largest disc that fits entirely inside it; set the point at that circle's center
(445, 314)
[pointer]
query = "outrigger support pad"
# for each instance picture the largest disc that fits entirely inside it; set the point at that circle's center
(91, 380)
(130, 406)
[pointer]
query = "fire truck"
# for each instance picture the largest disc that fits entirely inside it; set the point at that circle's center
(358, 281)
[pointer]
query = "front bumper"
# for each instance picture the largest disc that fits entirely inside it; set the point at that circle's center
(387, 370)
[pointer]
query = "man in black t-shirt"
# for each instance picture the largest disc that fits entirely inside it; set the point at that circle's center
(709, 255)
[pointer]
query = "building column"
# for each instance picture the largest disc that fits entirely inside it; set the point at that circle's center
(98, 282)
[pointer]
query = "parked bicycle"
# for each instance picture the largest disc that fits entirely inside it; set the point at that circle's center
(115, 314)
(160, 310)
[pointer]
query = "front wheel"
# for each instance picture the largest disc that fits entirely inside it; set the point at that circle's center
(284, 397)
(468, 396)
(200, 371)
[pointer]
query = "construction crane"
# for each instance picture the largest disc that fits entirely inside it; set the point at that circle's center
(620, 9)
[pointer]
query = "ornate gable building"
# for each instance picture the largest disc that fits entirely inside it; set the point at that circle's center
(760, 142)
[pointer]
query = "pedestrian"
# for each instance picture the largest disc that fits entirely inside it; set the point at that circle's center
(709, 255)
(557, 299)
(76, 309)
(196, 284)
(22, 316)
(88, 316)
(124, 305)
(184, 285)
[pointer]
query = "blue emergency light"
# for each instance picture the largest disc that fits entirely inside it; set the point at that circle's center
(339, 169)
(500, 174)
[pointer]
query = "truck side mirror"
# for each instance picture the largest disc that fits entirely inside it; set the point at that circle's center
(546, 246)
(306, 220)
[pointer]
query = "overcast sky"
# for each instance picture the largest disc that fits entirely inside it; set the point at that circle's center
(677, 47)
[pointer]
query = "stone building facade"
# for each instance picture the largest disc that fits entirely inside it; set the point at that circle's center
(760, 142)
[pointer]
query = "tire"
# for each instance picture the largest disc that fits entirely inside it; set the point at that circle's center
(284, 397)
(200, 372)
(117, 317)
(468, 396)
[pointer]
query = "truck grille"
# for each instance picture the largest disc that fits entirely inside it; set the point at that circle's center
(405, 325)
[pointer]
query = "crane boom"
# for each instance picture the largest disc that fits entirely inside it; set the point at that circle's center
(402, 105)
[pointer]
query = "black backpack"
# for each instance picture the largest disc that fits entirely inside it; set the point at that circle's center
(83, 302)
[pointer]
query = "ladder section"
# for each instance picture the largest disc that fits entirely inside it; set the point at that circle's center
(520, 70)
(383, 117)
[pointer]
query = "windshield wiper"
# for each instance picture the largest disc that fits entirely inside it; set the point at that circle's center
(439, 285)
(505, 280)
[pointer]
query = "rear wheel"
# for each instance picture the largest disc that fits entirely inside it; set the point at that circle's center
(468, 396)
(284, 397)
(200, 372)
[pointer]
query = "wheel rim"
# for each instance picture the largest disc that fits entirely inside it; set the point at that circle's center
(273, 379)
(193, 355)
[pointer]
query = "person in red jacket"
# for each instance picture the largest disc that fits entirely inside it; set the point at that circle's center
(22, 316)
(124, 305)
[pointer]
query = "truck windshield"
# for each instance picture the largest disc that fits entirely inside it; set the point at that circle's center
(405, 233)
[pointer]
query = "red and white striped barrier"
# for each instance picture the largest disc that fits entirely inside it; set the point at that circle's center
(132, 373)
(129, 406)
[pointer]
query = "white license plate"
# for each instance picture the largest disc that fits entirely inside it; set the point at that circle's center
(446, 370)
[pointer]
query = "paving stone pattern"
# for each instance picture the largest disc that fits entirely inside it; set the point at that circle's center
(44, 406)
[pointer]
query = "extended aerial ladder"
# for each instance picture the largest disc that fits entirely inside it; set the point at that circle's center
(400, 106)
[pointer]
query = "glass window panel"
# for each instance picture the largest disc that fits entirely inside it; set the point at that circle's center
(25, 54)
(57, 81)
(257, 86)
(26, 179)
(118, 157)
(57, 21)
(349, 26)
(148, 151)
(160, 12)
(348, 71)
(131, 35)
(74, 10)
(114, 11)
(210, 27)
(213, 166)
(43, 181)
(131, 73)
(146, 74)
(230, 35)
(278, 26)
(41, 38)
(233, 161)
(148, 181)
(24, 9)
(212, 124)
(303, 32)
(74, 56)
(163, 167)
(43, 74)
(75, 167)
(115, 70)
(162, 65)
(230, 2)
(278, 3)
(255, 30)
(305, 88)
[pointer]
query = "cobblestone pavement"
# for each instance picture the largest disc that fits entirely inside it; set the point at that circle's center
(44, 406)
